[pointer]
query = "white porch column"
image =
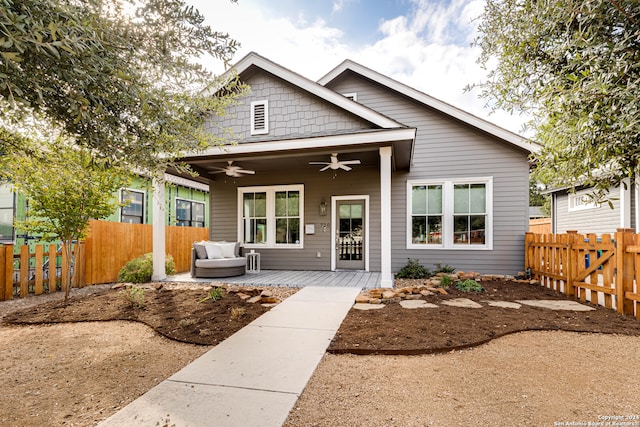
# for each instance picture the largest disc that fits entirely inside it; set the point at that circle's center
(159, 272)
(385, 218)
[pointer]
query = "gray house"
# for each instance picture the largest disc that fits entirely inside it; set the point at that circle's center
(575, 210)
(359, 171)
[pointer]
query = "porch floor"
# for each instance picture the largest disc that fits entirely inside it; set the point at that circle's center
(292, 279)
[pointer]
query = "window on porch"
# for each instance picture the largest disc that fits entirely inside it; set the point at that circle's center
(271, 216)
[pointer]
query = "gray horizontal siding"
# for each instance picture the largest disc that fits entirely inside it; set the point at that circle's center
(598, 220)
(316, 187)
(447, 149)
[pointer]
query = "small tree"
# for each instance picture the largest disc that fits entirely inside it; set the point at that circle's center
(66, 187)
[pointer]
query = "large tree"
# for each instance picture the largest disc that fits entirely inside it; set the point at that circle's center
(574, 66)
(121, 77)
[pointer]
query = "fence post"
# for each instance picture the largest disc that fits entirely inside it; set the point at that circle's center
(6, 271)
(24, 271)
(38, 270)
(572, 261)
(624, 270)
(528, 237)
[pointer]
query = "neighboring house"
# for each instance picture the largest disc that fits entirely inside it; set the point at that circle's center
(186, 204)
(576, 211)
(420, 179)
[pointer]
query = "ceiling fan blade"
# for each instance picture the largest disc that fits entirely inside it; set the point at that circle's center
(319, 163)
(245, 171)
(325, 168)
(350, 162)
(221, 170)
(344, 167)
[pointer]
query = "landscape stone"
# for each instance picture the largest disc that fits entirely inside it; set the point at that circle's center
(503, 304)
(413, 297)
(363, 298)
(388, 294)
(375, 301)
(254, 299)
(557, 305)
(462, 302)
(360, 306)
(426, 293)
(413, 304)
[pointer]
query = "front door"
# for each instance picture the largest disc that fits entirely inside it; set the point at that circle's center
(350, 234)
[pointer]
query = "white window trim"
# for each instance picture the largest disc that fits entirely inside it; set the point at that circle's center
(202, 202)
(447, 214)
(264, 131)
(10, 189)
(579, 195)
(271, 218)
(144, 202)
(351, 95)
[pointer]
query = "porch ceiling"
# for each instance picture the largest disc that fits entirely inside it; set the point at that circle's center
(296, 154)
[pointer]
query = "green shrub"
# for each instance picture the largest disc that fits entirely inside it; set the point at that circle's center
(443, 269)
(469, 285)
(134, 296)
(445, 281)
(139, 270)
(214, 295)
(413, 270)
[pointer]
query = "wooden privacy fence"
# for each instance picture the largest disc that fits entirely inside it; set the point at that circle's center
(108, 246)
(540, 225)
(602, 269)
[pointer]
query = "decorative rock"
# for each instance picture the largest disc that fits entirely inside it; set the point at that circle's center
(406, 290)
(254, 299)
(417, 304)
(388, 294)
(266, 293)
(363, 298)
(390, 300)
(462, 302)
(376, 293)
(268, 305)
(503, 304)
(442, 291)
(413, 297)
(360, 306)
(118, 286)
(426, 293)
(268, 300)
(375, 301)
(557, 305)
(243, 296)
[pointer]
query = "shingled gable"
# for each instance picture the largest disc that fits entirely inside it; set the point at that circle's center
(429, 101)
(248, 64)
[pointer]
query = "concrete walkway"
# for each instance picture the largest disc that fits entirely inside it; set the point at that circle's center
(254, 377)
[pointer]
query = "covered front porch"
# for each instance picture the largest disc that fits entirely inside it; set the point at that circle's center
(293, 279)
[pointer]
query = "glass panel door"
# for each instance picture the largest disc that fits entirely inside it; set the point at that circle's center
(350, 230)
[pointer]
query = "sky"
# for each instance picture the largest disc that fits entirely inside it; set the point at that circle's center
(426, 44)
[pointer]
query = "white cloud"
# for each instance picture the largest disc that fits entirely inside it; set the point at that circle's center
(429, 48)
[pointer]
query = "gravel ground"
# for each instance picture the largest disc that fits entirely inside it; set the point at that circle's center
(524, 379)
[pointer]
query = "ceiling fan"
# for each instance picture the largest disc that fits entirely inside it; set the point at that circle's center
(336, 164)
(233, 170)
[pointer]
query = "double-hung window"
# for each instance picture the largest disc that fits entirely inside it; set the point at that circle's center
(189, 213)
(450, 214)
(132, 210)
(7, 209)
(271, 216)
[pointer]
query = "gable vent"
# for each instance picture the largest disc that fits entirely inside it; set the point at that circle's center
(259, 117)
(352, 96)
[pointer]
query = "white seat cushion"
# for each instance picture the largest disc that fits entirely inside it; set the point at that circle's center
(221, 262)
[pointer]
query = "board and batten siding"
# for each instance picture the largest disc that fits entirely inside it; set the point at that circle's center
(601, 219)
(445, 149)
(291, 113)
(317, 185)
